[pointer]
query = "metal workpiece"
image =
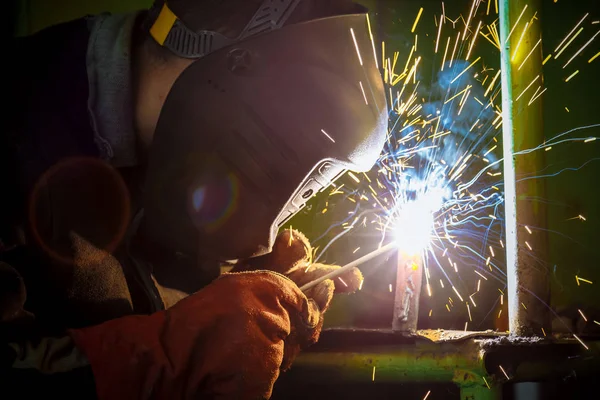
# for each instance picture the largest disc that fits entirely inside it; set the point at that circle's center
(409, 280)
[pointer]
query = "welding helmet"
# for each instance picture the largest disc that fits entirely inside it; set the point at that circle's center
(257, 125)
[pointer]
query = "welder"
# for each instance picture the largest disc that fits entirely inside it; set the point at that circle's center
(144, 151)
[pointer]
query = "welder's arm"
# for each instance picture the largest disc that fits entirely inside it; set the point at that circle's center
(229, 340)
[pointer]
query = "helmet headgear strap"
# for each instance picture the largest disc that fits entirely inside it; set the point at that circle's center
(169, 31)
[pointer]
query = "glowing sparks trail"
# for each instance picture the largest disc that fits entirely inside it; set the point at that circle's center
(504, 372)
(328, 137)
(570, 33)
(356, 46)
(417, 20)
(372, 42)
(568, 43)
(465, 70)
(437, 41)
(571, 76)
(519, 42)
(529, 54)
(516, 23)
(363, 92)
(581, 49)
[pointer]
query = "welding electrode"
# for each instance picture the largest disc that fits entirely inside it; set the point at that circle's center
(346, 267)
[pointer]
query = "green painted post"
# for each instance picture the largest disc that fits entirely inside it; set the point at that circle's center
(526, 253)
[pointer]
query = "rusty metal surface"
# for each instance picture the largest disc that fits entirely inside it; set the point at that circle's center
(409, 281)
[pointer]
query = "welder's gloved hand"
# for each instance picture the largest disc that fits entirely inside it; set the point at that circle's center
(229, 340)
(292, 256)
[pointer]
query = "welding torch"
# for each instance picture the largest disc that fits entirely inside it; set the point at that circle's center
(351, 265)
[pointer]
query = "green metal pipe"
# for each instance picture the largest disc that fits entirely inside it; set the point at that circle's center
(459, 363)
(526, 254)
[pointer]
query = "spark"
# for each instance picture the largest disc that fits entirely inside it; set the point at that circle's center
(473, 41)
(529, 54)
(501, 243)
(504, 372)
(580, 217)
(457, 94)
(363, 92)
(573, 30)
(568, 43)
(589, 140)
(571, 76)
(373, 377)
(581, 341)
(543, 331)
(580, 279)
(446, 52)
(499, 313)
(360, 285)
(548, 57)
(356, 46)
(524, 306)
(519, 42)
(465, 70)
(527, 88)
(390, 288)
(454, 51)
(492, 84)
(528, 230)
(439, 32)
(447, 308)
(372, 42)
(469, 311)
(355, 250)
(534, 98)
(466, 324)
(471, 297)
(594, 57)
(458, 294)
(442, 283)
(427, 395)
(582, 316)
(353, 176)
(326, 134)
(416, 20)
(431, 312)
(581, 49)
(469, 19)
(516, 23)
(490, 150)
(486, 383)
(492, 251)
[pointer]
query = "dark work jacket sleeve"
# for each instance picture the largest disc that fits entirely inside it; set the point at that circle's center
(49, 125)
(48, 114)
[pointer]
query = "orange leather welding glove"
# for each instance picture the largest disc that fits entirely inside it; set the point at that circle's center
(292, 256)
(229, 340)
